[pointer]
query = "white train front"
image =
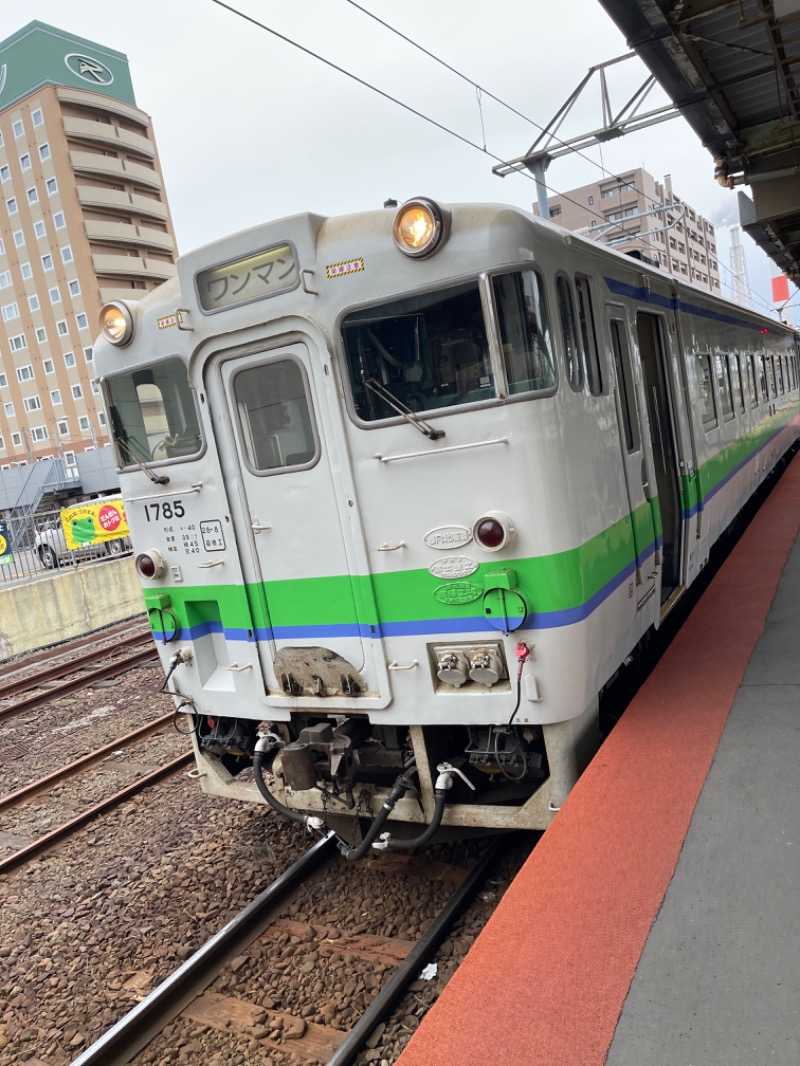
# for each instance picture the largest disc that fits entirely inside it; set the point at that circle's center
(408, 487)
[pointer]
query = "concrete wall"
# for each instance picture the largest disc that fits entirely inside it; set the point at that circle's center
(68, 604)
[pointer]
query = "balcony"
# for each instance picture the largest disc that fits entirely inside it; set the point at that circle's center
(97, 102)
(113, 200)
(109, 166)
(133, 266)
(103, 133)
(129, 234)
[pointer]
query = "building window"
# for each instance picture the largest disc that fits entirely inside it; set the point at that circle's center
(52, 186)
(3, 381)
(555, 211)
(10, 312)
(18, 128)
(61, 326)
(44, 151)
(32, 403)
(25, 373)
(25, 162)
(66, 254)
(606, 194)
(69, 457)
(37, 118)
(5, 279)
(47, 261)
(101, 418)
(591, 200)
(74, 288)
(8, 408)
(38, 228)
(82, 320)
(11, 204)
(83, 423)
(2, 444)
(49, 366)
(58, 220)
(77, 392)
(41, 335)
(2, 247)
(55, 295)
(69, 360)
(16, 344)
(5, 173)
(39, 433)
(27, 273)
(33, 303)
(95, 388)
(19, 238)
(63, 429)
(55, 397)
(16, 440)
(33, 196)
(88, 355)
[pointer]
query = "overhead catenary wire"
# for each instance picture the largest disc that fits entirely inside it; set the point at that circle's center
(434, 122)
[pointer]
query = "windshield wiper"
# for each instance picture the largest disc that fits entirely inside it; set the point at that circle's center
(404, 412)
(157, 479)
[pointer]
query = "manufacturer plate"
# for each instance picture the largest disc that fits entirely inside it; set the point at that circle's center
(458, 592)
(445, 538)
(453, 566)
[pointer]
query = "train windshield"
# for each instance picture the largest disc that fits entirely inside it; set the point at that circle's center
(153, 414)
(426, 351)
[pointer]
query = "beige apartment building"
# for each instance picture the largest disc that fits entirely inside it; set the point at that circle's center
(633, 211)
(83, 219)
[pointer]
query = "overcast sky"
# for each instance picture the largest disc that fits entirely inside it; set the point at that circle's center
(250, 128)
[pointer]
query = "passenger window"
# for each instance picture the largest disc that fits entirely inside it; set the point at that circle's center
(751, 380)
(569, 333)
(773, 388)
(723, 386)
(588, 335)
(737, 386)
(627, 392)
(708, 410)
(274, 416)
(524, 331)
(780, 375)
(762, 379)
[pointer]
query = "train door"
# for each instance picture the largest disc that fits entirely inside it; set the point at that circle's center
(659, 400)
(292, 516)
(634, 459)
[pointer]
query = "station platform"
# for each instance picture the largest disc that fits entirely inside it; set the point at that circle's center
(658, 919)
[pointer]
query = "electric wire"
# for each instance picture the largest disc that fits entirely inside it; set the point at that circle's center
(446, 129)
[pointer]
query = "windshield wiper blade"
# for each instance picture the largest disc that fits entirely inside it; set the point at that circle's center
(404, 412)
(157, 479)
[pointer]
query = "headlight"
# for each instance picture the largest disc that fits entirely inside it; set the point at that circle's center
(116, 323)
(419, 227)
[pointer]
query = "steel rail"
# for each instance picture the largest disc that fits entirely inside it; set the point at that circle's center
(43, 784)
(66, 647)
(60, 832)
(101, 674)
(135, 1030)
(69, 666)
(410, 968)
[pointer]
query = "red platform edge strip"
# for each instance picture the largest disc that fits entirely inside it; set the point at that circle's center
(546, 980)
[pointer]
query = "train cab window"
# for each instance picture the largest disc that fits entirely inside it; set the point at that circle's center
(524, 331)
(708, 409)
(722, 374)
(275, 416)
(569, 332)
(418, 354)
(153, 414)
(751, 380)
(588, 335)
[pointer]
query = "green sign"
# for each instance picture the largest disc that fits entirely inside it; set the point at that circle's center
(39, 55)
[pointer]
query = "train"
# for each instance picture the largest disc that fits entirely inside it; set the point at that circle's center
(408, 487)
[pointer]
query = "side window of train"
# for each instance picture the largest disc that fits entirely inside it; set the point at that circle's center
(780, 375)
(773, 388)
(762, 379)
(722, 374)
(569, 332)
(708, 409)
(751, 380)
(275, 419)
(524, 331)
(625, 383)
(737, 385)
(588, 335)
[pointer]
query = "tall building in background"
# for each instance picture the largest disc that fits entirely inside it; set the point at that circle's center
(634, 212)
(83, 219)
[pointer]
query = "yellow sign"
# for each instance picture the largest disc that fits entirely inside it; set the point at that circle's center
(94, 523)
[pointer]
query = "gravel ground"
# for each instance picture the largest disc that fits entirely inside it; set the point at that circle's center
(86, 931)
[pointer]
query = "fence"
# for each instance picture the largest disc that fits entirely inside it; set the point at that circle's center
(33, 544)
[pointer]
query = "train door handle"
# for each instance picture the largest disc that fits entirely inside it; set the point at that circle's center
(257, 527)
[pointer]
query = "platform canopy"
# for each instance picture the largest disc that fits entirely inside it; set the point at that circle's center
(732, 67)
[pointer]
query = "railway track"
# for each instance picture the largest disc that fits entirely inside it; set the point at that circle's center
(130, 652)
(185, 993)
(68, 648)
